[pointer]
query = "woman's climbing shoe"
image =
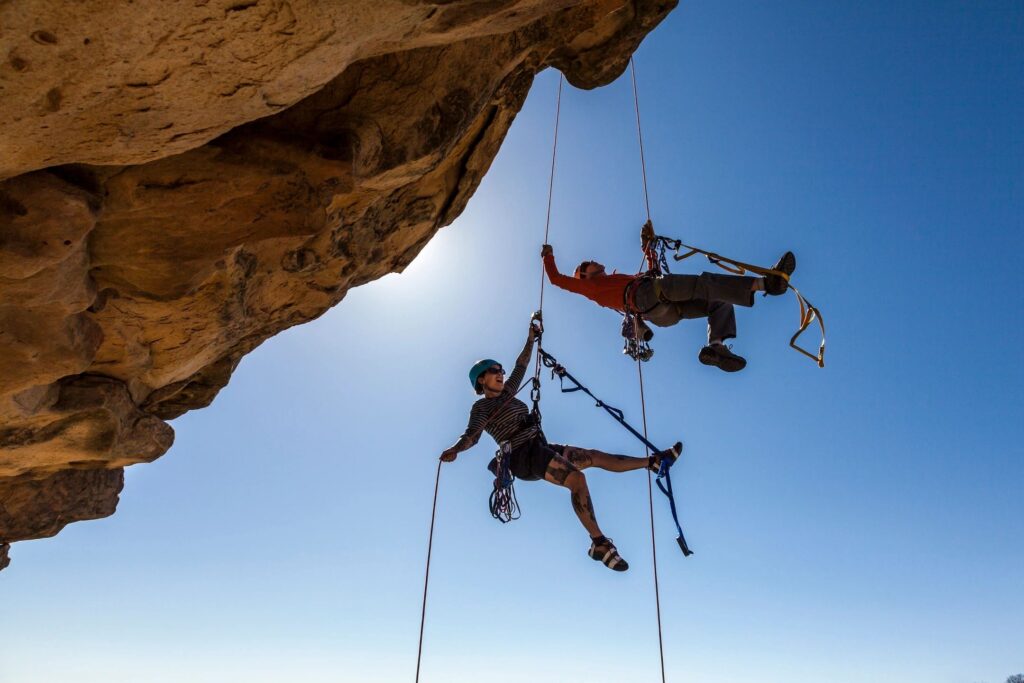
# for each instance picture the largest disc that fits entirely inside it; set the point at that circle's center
(722, 358)
(668, 456)
(776, 284)
(605, 552)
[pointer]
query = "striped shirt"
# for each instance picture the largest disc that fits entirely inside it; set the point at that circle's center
(502, 416)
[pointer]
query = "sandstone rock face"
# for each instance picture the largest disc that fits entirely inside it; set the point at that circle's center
(181, 181)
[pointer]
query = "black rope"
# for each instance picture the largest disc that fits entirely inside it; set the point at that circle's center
(426, 577)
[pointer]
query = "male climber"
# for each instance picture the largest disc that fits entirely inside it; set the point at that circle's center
(666, 299)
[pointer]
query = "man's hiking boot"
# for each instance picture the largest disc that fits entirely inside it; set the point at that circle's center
(722, 358)
(776, 284)
(667, 456)
(606, 553)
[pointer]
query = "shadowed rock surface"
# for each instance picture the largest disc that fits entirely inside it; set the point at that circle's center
(178, 186)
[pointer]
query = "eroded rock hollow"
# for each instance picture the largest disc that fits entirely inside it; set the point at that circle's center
(181, 181)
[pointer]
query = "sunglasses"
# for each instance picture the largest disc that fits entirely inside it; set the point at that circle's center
(494, 371)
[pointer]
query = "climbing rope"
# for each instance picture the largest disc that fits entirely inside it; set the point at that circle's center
(426, 576)
(538, 317)
(503, 504)
(430, 542)
(640, 136)
(643, 403)
(650, 503)
(551, 187)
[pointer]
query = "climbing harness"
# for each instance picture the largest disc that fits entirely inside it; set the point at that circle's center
(661, 245)
(558, 370)
(635, 332)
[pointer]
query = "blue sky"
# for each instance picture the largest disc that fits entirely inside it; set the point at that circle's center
(857, 523)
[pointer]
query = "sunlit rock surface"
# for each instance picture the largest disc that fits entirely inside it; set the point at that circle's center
(181, 181)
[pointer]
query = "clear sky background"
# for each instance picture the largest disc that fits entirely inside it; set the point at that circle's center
(861, 523)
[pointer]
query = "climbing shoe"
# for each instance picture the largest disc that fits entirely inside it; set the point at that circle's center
(722, 358)
(776, 284)
(606, 552)
(667, 456)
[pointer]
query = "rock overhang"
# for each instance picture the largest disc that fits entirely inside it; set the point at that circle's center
(178, 188)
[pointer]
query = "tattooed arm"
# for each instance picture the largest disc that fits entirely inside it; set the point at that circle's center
(516, 378)
(469, 438)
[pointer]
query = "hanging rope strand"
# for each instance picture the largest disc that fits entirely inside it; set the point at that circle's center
(650, 503)
(426, 577)
(640, 136)
(551, 186)
(535, 392)
(640, 374)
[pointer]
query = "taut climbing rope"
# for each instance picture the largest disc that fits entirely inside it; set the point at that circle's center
(426, 576)
(503, 502)
(640, 375)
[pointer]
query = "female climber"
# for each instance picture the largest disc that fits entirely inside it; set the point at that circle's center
(507, 419)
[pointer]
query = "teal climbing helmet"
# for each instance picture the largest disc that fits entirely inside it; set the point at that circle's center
(478, 369)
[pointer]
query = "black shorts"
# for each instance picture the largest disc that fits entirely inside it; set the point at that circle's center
(530, 461)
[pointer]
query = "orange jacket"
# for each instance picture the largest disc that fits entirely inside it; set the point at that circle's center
(606, 290)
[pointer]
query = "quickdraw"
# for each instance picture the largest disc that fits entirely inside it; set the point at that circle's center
(660, 245)
(558, 370)
(637, 337)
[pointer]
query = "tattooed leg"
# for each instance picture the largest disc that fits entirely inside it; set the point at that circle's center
(581, 457)
(582, 503)
(585, 457)
(558, 471)
(564, 473)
